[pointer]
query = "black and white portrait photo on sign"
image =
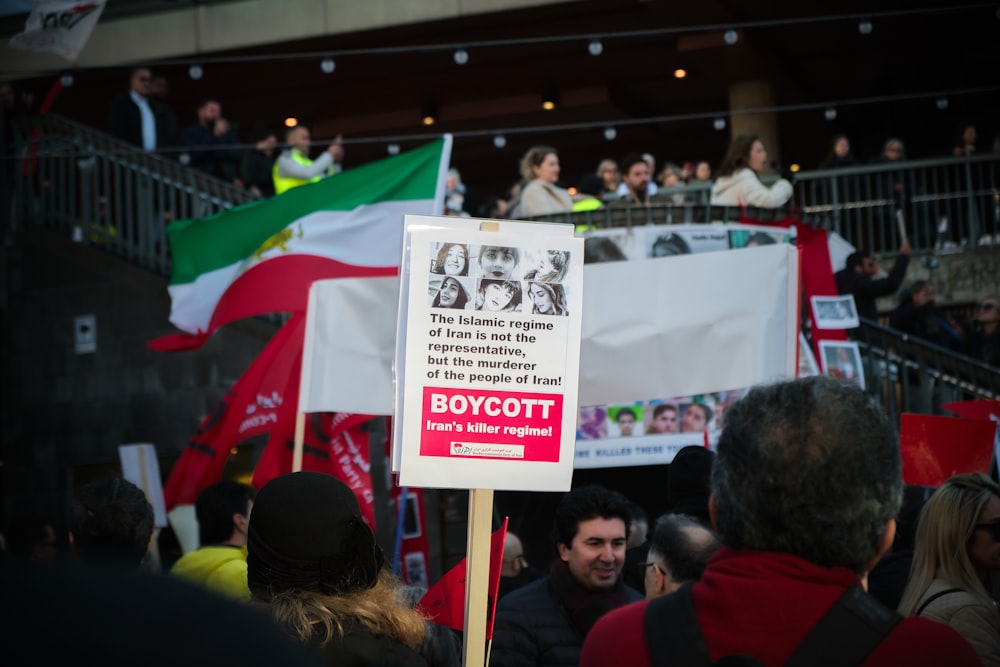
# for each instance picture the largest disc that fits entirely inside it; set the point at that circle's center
(842, 360)
(449, 292)
(835, 312)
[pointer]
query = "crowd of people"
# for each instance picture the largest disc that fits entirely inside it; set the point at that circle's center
(766, 552)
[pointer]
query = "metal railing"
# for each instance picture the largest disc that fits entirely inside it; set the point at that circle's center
(102, 191)
(907, 374)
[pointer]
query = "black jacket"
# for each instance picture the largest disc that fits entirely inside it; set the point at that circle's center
(533, 629)
(866, 289)
(360, 647)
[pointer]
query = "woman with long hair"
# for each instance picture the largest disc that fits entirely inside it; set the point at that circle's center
(738, 183)
(547, 299)
(551, 268)
(957, 548)
(314, 561)
(499, 296)
(452, 260)
(540, 194)
(451, 294)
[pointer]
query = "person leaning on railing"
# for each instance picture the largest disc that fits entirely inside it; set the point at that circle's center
(738, 183)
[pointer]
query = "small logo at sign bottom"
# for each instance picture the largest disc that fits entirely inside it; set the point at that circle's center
(487, 449)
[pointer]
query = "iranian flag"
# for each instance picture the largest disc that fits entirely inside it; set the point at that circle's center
(262, 257)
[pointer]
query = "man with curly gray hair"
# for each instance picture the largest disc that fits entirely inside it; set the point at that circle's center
(806, 485)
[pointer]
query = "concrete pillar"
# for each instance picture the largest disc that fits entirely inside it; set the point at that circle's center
(754, 95)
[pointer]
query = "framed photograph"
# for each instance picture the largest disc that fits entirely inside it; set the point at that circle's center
(842, 360)
(835, 312)
(807, 360)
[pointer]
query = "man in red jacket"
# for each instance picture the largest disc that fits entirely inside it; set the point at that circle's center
(805, 487)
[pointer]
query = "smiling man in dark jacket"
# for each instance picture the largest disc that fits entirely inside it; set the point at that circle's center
(545, 622)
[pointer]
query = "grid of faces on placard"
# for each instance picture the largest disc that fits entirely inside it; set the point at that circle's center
(498, 279)
(685, 414)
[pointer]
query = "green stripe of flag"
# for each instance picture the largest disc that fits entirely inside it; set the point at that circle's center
(205, 244)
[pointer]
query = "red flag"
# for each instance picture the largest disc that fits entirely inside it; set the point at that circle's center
(444, 603)
(935, 448)
(975, 409)
(250, 408)
(335, 443)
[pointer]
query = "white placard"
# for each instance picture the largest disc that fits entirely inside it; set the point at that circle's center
(835, 312)
(488, 356)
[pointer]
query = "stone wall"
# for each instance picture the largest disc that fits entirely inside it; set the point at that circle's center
(64, 413)
(959, 278)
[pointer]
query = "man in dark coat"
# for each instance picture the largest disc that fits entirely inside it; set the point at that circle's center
(856, 279)
(137, 118)
(545, 622)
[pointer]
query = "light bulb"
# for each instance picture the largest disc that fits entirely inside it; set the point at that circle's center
(610, 133)
(830, 114)
(66, 80)
(327, 65)
(499, 141)
(942, 103)
(595, 47)
(865, 27)
(461, 56)
(392, 149)
(731, 37)
(195, 72)
(719, 124)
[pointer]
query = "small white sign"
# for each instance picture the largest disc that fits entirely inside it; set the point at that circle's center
(85, 334)
(835, 312)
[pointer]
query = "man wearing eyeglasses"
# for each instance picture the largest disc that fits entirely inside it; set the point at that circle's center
(984, 341)
(678, 553)
(806, 485)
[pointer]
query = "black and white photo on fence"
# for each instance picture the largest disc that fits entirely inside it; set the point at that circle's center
(835, 312)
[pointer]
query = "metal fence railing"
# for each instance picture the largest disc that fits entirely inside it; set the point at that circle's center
(101, 191)
(906, 374)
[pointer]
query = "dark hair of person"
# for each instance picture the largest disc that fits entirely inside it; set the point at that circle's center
(442, 255)
(460, 300)
(111, 522)
(811, 468)
(706, 410)
(685, 558)
(630, 160)
(598, 249)
(855, 259)
(737, 155)
(670, 244)
(586, 503)
(625, 411)
(215, 508)
(663, 407)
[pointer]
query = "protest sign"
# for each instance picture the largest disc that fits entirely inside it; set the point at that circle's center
(489, 341)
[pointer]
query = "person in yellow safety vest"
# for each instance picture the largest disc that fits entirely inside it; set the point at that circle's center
(294, 168)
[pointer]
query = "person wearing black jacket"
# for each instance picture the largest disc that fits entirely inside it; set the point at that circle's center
(856, 279)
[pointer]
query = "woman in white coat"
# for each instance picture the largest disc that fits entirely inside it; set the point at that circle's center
(737, 183)
(541, 195)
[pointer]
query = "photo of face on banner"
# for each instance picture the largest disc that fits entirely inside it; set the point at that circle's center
(696, 417)
(742, 238)
(450, 259)
(548, 266)
(842, 361)
(449, 292)
(499, 296)
(627, 419)
(662, 418)
(592, 423)
(547, 299)
(499, 262)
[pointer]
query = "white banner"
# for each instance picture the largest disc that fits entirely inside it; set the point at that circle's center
(671, 330)
(62, 28)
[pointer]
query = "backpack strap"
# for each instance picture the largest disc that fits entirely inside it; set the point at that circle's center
(935, 597)
(673, 636)
(850, 630)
